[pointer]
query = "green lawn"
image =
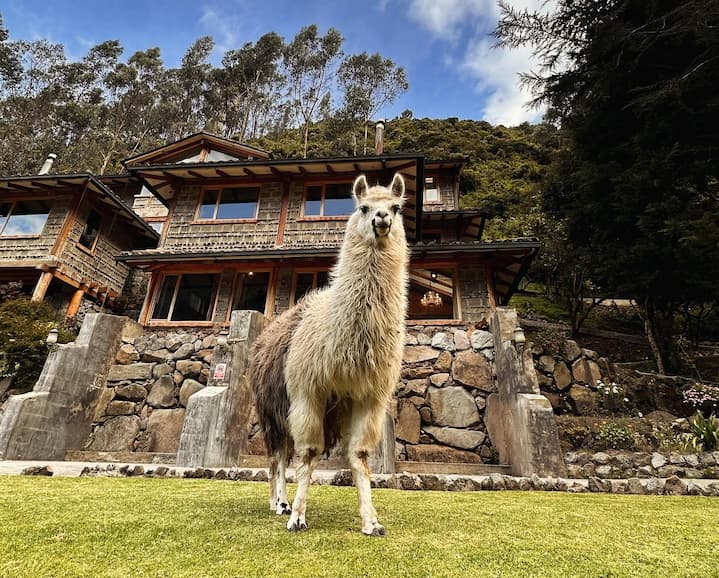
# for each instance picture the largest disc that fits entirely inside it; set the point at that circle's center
(174, 527)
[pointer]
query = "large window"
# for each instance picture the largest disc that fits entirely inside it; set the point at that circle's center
(306, 281)
(432, 294)
(23, 217)
(329, 200)
(229, 203)
(88, 238)
(187, 297)
(251, 291)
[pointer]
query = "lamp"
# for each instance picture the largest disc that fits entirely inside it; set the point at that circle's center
(222, 340)
(431, 298)
(52, 336)
(519, 340)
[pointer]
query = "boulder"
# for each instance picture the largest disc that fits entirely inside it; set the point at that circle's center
(415, 387)
(439, 379)
(127, 354)
(437, 453)
(408, 422)
(473, 370)
(189, 368)
(189, 387)
(481, 339)
(134, 372)
(209, 342)
(461, 341)
(155, 355)
(162, 394)
(116, 434)
(161, 369)
(583, 399)
(452, 406)
(416, 372)
(562, 375)
(546, 363)
(586, 371)
(410, 339)
(417, 353)
(570, 350)
(120, 408)
(675, 486)
(184, 351)
(444, 362)
(459, 438)
(165, 427)
(132, 392)
(173, 342)
(423, 338)
(443, 341)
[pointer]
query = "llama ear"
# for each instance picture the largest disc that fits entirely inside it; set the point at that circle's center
(360, 187)
(397, 186)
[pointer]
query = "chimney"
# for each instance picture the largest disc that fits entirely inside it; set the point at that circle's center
(379, 138)
(47, 165)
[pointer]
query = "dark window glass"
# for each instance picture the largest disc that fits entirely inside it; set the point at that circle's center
(253, 295)
(4, 210)
(157, 225)
(92, 228)
(338, 200)
(194, 298)
(238, 203)
(322, 278)
(27, 218)
(209, 200)
(313, 201)
(164, 300)
(303, 285)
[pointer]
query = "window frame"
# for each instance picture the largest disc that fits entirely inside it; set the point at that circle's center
(13, 203)
(238, 284)
(152, 320)
(219, 188)
(322, 216)
(456, 294)
(303, 271)
(83, 247)
(435, 180)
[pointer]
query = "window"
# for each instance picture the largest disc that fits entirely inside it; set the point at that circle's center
(229, 203)
(23, 217)
(91, 230)
(432, 294)
(306, 281)
(431, 191)
(329, 200)
(156, 225)
(251, 292)
(186, 298)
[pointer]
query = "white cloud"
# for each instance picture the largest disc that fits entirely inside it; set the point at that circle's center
(220, 27)
(444, 18)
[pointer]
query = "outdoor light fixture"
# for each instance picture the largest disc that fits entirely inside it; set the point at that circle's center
(222, 340)
(519, 340)
(431, 298)
(51, 338)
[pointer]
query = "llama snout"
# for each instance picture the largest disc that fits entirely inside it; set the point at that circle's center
(381, 223)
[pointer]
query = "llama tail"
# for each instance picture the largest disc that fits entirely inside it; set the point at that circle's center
(267, 375)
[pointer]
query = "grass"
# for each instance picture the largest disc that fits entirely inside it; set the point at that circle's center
(154, 527)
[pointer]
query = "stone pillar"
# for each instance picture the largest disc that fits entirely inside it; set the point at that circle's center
(520, 420)
(217, 419)
(57, 414)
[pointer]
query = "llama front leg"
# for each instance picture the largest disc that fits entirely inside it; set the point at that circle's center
(279, 503)
(365, 434)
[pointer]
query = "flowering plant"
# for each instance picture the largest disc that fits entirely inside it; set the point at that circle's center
(613, 398)
(703, 397)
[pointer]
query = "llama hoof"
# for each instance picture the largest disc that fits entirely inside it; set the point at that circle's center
(283, 509)
(296, 526)
(377, 530)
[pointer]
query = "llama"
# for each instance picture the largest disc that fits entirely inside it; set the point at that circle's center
(325, 370)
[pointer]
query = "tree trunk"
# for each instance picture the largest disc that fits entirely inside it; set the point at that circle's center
(650, 329)
(365, 137)
(307, 132)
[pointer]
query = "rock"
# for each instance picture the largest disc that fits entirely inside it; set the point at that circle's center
(546, 363)
(162, 393)
(423, 339)
(426, 415)
(439, 379)
(134, 372)
(165, 427)
(120, 408)
(459, 438)
(416, 372)
(184, 351)
(161, 369)
(473, 370)
(598, 485)
(488, 354)
(443, 341)
(658, 460)
(480, 402)
(127, 354)
(116, 434)
(583, 399)
(189, 387)
(654, 486)
(461, 341)
(444, 362)
(437, 453)
(570, 350)
(586, 371)
(174, 342)
(675, 486)
(415, 387)
(603, 471)
(37, 471)
(209, 342)
(692, 460)
(589, 354)
(155, 355)
(189, 368)
(410, 339)
(481, 340)
(562, 375)
(601, 458)
(417, 353)
(452, 406)
(132, 392)
(416, 400)
(206, 355)
(408, 422)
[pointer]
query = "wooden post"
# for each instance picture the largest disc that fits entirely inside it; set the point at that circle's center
(75, 302)
(41, 287)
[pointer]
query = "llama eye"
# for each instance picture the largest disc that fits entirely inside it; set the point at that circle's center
(364, 209)
(396, 208)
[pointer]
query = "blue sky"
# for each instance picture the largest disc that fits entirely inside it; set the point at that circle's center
(444, 45)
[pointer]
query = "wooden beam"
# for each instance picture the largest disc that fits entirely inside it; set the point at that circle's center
(75, 302)
(249, 172)
(43, 283)
(283, 212)
(196, 174)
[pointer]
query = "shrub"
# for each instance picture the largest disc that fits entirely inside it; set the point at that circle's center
(702, 397)
(703, 433)
(24, 325)
(613, 436)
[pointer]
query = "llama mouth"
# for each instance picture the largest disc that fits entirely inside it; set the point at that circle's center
(381, 230)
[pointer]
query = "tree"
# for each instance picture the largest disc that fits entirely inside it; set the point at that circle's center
(309, 62)
(639, 185)
(369, 83)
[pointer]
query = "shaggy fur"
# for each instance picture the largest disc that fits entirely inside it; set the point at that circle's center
(325, 370)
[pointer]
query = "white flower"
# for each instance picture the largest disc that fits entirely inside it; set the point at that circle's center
(626, 400)
(640, 414)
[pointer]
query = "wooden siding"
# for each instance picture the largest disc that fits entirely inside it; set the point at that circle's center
(314, 232)
(14, 249)
(446, 194)
(473, 292)
(149, 207)
(183, 234)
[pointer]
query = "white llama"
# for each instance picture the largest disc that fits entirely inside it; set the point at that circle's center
(325, 370)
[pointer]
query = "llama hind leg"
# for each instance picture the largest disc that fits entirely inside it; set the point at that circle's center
(279, 503)
(365, 432)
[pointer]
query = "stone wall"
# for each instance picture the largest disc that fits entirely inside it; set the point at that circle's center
(623, 464)
(142, 407)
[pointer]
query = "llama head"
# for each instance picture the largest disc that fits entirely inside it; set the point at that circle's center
(378, 212)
